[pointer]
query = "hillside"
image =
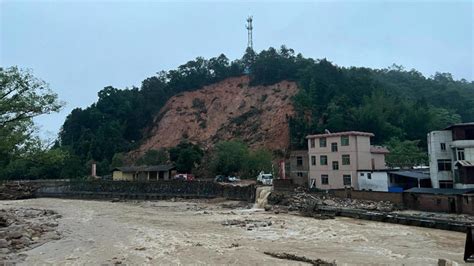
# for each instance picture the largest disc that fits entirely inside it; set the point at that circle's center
(284, 97)
(230, 109)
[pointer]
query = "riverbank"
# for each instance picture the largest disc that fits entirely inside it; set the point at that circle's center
(218, 231)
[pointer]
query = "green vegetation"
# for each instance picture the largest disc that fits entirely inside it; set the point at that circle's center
(405, 153)
(399, 106)
(186, 157)
(154, 157)
(22, 154)
(118, 121)
(234, 158)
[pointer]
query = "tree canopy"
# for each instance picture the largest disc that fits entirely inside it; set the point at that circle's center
(22, 153)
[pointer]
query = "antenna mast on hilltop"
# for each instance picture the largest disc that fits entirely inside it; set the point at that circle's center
(249, 29)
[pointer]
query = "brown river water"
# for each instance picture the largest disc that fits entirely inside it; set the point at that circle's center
(223, 232)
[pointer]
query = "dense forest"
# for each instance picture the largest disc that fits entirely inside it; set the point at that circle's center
(399, 106)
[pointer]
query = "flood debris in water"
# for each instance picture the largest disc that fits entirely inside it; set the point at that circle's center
(288, 256)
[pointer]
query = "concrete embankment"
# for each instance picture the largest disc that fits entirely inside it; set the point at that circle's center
(395, 218)
(325, 206)
(163, 189)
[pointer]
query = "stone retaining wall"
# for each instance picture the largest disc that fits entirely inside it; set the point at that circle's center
(142, 190)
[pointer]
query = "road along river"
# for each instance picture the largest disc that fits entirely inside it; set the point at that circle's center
(223, 232)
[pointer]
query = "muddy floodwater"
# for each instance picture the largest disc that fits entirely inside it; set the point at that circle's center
(223, 232)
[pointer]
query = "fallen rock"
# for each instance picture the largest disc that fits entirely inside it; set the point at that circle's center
(4, 243)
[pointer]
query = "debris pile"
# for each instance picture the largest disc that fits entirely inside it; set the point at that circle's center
(288, 256)
(24, 228)
(247, 223)
(16, 190)
(305, 202)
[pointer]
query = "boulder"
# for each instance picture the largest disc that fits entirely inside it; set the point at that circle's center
(4, 243)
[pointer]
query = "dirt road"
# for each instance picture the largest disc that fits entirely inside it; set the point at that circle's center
(96, 232)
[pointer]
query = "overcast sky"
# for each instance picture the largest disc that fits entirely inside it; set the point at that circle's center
(79, 47)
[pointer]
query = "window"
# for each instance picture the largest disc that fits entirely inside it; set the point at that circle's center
(312, 143)
(438, 201)
(153, 175)
(299, 174)
(323, 160)
(299, 161)
(461, 154)
(324, 179)
(445, 184)
(334, 146)
(322, 142)
(443, 146)
(335, 165)
(313, 160)
(346, 179)
(346, 159)
(361, 174)
(369, 175)
(344, 140)
(444, 165)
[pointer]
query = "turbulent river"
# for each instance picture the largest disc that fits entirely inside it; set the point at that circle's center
(223, 232)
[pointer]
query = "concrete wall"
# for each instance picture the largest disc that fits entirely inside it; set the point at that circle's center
(396, 198)
(415, 201)
(378, 181)
(298, 173)
(432, 202)
(379, 160)
(467, 204)
(161, 188)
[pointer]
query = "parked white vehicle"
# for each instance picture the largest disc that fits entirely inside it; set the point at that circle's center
(265, 179)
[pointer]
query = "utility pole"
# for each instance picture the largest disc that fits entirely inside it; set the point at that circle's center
(249, 29)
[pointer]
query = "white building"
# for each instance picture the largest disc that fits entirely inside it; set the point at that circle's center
(373, 180)
(451, 153)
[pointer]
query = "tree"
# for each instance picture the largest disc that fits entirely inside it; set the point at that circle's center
(186, 156)
(229, 157)
(405, 154)
(257, 161)
(23, 97)
(154, 157)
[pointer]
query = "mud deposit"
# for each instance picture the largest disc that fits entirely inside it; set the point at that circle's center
(223, 232)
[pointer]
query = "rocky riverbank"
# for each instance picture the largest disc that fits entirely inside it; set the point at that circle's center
(25, 228)
(17, 190)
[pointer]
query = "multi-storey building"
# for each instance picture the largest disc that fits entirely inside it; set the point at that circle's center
(336, 160)
(297, 167)
(451, 153)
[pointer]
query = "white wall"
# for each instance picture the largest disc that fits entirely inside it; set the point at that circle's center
(435, 138)
(378, 181)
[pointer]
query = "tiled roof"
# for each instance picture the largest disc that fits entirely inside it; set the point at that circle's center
(378, 149)
(144, 168)
(345, 133)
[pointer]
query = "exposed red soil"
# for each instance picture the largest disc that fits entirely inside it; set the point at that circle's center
(227, 110)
